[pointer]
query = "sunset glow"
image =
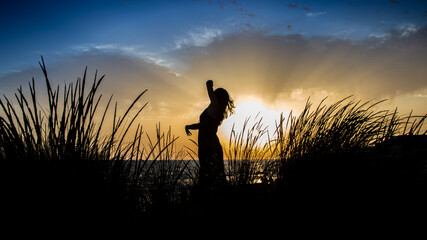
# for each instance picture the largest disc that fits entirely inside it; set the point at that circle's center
(252, 110)
(271, 56)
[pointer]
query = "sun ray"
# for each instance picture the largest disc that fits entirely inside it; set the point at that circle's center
(252, 110)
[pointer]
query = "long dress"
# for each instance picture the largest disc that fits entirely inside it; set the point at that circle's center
(211, 175)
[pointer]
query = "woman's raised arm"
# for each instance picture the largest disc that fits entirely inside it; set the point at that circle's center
(212, 97)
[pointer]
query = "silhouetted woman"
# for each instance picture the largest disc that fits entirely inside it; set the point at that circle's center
(211, 158)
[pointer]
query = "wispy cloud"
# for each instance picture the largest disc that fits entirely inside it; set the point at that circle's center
(420, 95)
(381, 37)
(138, 51)
(110, 47)
(402, 30)
(407, 29)
(315, 14)
(198, 37)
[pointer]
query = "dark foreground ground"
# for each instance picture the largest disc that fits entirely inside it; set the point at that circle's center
(383, 188)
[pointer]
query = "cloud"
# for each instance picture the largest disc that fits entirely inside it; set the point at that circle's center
(407, 29)
(382, 36)
(401, 31)
(315, 14)
(198, 37)
(110, 47)
(128, 50)
(277, 69)
(254, 63)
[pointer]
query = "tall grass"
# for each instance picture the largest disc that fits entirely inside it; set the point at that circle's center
(249, 160)
(166, 176)
(341, 127)
(340, 157)
(62, 144)
(63, 149)
(344, 127)
(66, 130)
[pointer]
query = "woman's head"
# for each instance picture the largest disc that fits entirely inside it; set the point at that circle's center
(225, 103)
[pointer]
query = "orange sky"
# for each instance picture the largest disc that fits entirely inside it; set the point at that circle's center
(271, 56)
(267, 74)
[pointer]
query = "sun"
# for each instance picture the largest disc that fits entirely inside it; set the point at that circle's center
(252, 110)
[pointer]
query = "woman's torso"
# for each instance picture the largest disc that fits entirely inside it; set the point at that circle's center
(208, 123)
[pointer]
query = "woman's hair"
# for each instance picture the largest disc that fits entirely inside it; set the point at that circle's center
(225, 103)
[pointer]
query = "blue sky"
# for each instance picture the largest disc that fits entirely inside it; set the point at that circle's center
(56, 29)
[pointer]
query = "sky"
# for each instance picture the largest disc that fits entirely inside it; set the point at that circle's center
(270, 55)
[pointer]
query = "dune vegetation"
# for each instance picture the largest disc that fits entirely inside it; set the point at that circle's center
(58, 162)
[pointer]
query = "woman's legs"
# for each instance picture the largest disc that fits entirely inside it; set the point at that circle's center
(211, 159)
